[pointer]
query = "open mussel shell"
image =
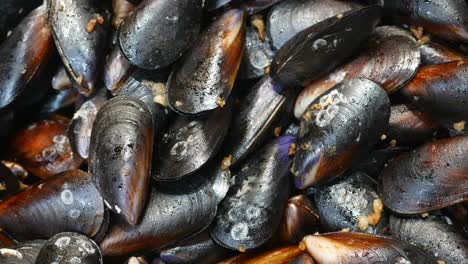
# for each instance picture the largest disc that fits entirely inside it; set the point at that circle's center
(175, 211)
(432, 235)
(204, 77)
(24, 253)
(120, 155)
(198, 249)
(441, 91)
(69, 247)
(410, 126)
(321, 47)
(246, 218)
(354, 248)
(390, 58)
(43, 147)
(81, 125)
(444, 19)
(351, 203)
(81, 38)
(158, 32)
(277, 255)
(338, 128)
(24, 53)
(64, 202)
(436, 53)
(300, 218)
(190, 142)
(13, 11)
(431, 177)
(291, 17)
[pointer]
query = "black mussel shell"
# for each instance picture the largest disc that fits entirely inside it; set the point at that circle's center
(24, 53)
(390, 58)
(247, 218)
(360, 248)
(441, 91)
(204, 77)
(158, 32)
(432, 235)
(80, 35)
(116, 70)
(351, 203)
(120, 155)
(373, 164)
(436, 53)
(291, 17)
(69, 248)
(323, 46)
(59, 101)
(64, 202)
(13, 11)
(9, 183)
(433, 176)
(24, 253)
(337, 129)
(175, 211)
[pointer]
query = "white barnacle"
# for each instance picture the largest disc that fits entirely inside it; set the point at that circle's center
(179, 149)
(75, 260)
(253, 213)
(7, 252)
(85, 246)
(74, 213)
(59, 139)
(240, 231)
(62, 242)
(67, 197)
(319, 43)
(322, 119)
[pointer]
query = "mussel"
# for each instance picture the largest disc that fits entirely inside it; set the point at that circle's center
(13, 11)
(24, 253)
(121, 9)
(436, 53)
(61, 81)
(277, 255)
(337, 128)
(117, 70)
(9, 183)
(120, 155)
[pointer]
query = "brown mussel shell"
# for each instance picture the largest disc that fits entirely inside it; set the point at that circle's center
(432, 235)
(390, 58)
(24, 53)
(43, 147)
(359, 248)
(80, 35)
(337, 129)
(24, 253)
(120, 155)
(158, 32)
(204, 77)
(69, 247)
(246, 218)
(436, 53)
(277, 255)
(432, 176)
(64, 202)
(441, 91)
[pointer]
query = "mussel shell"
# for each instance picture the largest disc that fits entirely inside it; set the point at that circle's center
(434, 236)
(247, 218)
(354, 248)
(206, 73)
(120, 10)
(6, 240)
(441, 91)
(13, 11)
(117, 70)
(337, 129)
(342, 203)
(120, 155)
(304, 258)
(69, 248)
(255, 6)
(24, 253)
(321, 47)
(291, 17)
(9, 183)
(390, 58)
(277, 255)
(436, 53)
(190, 142)
(175, 211)
(373, 164)
(158, 32)
(64, 202)
(81, 51)
(43, 147)
(24, 54)
(60, 101)
(61, 81)
(198, 249)
(431, 177)
(81, 125)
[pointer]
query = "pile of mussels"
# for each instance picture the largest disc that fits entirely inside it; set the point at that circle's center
(233, 131)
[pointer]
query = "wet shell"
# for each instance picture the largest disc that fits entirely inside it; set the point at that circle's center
(13, 11)
(61, 81)
(120, 155)
(354, 248)
(246, 217)
(390, 58)
(60, 101)
(67, 201)
(436, 53)
(277, 255)
(120, 9)
(80, 37)
(205, 75)
(439, 238)
(24, 54)
(24, 253)
(117, 70)
(338, 128)
(431, 177)
(9, 183)
(158, 32)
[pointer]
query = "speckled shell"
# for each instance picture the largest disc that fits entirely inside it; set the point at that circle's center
(24, 253)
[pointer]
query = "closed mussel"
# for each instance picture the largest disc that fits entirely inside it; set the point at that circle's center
(276, 255)
(437, 53)
(13, 11)
(337, 128)
(120, 155)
